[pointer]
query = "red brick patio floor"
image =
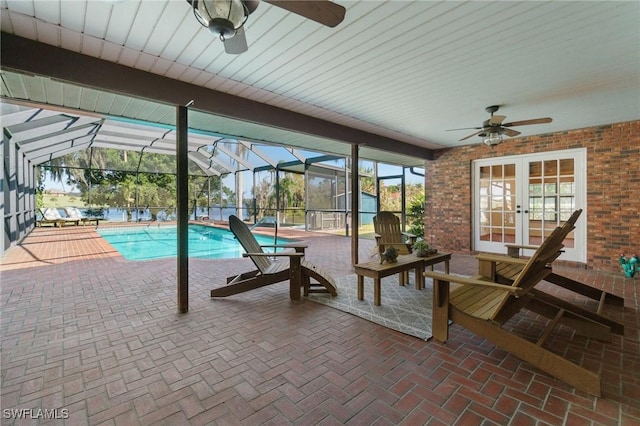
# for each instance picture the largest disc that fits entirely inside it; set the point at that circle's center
(89, 332)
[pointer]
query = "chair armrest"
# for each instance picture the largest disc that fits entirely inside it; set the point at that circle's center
(500, 258)
(299, 248)
(280, 254)
(488, 265)
(517, 291)
(402, 246)
(284, 245)
(411, 237)
(522, 246)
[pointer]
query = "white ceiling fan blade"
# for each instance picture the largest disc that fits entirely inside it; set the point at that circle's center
(236, 44)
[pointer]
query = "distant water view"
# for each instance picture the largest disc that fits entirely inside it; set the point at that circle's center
(116, 214)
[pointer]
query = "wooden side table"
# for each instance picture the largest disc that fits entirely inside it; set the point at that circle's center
(378, 271)
(435, 259)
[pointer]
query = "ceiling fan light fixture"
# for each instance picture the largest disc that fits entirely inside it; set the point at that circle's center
(222, 17)
(492, 139)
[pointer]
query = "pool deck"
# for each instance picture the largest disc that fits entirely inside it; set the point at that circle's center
(86, 330)
(51, 245)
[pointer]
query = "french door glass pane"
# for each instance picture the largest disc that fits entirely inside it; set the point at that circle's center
(497, 203)
(522, 199)
(551, 197)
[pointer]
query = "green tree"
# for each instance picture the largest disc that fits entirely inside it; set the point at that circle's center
(390, 197)
(415, 215)
(40, 187)
(107, 177)
(367, 180)
(321, 193)
(263, 195)
(291, 190)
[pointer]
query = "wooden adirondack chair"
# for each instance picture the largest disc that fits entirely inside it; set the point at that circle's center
(483, 306)
(505, 268)
(290, 266)
(386, 226)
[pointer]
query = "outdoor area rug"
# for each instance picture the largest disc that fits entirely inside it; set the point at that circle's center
(403, 309)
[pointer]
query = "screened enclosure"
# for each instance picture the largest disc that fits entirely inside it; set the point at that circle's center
(124, 171)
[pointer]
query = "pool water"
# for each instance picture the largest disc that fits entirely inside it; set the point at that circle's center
(160, 241)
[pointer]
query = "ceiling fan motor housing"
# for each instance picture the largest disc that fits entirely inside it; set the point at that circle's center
(222, 27)
(492, 127)
(222, 17)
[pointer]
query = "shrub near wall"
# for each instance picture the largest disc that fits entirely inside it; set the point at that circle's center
(613, 189)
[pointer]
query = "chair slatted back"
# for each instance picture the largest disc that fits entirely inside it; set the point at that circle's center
(387, 225)
(248, 242)
(574, 218)
(538, 266)
(511, 271)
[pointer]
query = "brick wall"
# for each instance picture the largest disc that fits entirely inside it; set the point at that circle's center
(613, 189)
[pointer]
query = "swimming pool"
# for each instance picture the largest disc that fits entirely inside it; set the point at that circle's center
(160, 241)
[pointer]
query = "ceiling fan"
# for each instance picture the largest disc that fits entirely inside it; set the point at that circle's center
(226, 18)
(493, 129)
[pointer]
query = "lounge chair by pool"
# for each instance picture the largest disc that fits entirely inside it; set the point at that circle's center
(75, 214)
(51, 215)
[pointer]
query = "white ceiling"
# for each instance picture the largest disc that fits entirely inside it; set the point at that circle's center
(405, 70)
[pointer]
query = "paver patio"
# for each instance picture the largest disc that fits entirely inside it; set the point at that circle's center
(85, 330)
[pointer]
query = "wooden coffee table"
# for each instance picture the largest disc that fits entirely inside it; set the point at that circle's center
(378, 271)
(435, 259)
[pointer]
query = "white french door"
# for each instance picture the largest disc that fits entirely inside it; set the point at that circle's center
(521, 199)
